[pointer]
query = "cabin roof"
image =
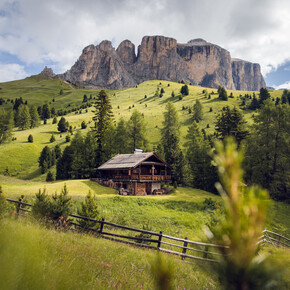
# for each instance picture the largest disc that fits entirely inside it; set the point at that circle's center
(127, 161)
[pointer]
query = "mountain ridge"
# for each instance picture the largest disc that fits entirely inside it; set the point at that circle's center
(163, 58)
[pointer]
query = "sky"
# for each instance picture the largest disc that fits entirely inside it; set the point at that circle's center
(53, 33)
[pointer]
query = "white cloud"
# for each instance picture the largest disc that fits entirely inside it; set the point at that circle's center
(10, 72)
(286, 85)
(42, 32)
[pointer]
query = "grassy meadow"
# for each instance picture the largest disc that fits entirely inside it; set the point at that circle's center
(20, 157)
(33, 257)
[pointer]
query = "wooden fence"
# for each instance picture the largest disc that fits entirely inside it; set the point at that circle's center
(182, 247)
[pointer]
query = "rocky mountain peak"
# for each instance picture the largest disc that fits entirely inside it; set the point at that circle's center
(48, 72)
(159, 57)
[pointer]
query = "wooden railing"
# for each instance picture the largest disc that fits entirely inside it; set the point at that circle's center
(141, 177)
(182, 247)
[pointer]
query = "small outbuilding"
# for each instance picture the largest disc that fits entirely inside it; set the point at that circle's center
(135, 174)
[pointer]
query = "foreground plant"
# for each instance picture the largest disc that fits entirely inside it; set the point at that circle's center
(245, 207)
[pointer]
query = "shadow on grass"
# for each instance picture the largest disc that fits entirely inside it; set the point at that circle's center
(31, 175)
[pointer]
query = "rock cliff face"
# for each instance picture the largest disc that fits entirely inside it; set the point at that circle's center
(162, 58)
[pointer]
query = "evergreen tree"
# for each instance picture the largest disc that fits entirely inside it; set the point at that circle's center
(223, 95)
(231, 123)
(284, 98)
(57, 152)
(264, 95)
(121, 138)
(35, 120)
(77, 164)
(109, 146)
(64, 164)
(89, 155)
(270, 167)
(17, 103)
(46, 159)
(49, 176)
(89, 209)
(46, 114)
(254, 104)
(83, 125)
(203, 174)
(6, 125)
(137, 132)
(52, 138)
(62, 125)
(102, 119)
(170, 143)
(30, 139)
(197, 111)
(170, 132)
(23, 119)
(54, 120)
(184, 90)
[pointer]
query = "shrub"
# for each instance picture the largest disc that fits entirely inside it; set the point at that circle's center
(83, 125)
(49, 176)
(61, 205)
(54, 120)
(67, 138)
(89, 208)
(52, 139)
(4, 207)
(41, 207)
(30, 139)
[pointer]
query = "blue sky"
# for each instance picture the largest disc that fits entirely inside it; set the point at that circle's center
(36, 33)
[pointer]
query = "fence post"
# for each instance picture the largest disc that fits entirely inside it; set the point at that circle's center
(279, 239)
(184, 248)
(18, 208)
(159, 240)
(205, 254)
(102, 226)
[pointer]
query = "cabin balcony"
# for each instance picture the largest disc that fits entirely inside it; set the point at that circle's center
(156, 178)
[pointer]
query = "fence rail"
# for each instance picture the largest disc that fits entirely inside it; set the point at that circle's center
(188, 248)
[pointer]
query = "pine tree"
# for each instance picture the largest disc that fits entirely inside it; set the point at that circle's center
(30, 139)
(46, 114)
(35, 120)
(231, 123)
(137, 132)
(46, 159)
(270, 168)
(184, 90)
(77, 165)
(6, 125)
(197, 111)
(89, 209)
(62, 125)
(264, 95)
(121, 138)
(23, 119)
(52, 138)
(170, 132)
(203, 174)
(109, 146)
(102, 118)
(222, 93)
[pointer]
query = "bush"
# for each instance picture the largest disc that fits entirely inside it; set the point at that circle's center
(30, 139)
(67, 138)
(54, 120)
(55, 208)
(4, 207)
(89, 208)
(83, 125)
(41, 207)
(52, 139)
(49, 176)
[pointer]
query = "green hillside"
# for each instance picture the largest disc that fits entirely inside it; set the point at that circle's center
(20, 157)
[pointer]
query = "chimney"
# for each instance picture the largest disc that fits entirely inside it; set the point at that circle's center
(137, 151)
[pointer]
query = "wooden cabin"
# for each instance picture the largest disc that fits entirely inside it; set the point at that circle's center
(135, 174)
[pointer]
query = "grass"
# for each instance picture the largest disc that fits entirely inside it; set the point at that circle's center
(33, 257)
(180, 214)
(21, 157)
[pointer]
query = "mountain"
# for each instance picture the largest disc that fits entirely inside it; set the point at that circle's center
(162, 58)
